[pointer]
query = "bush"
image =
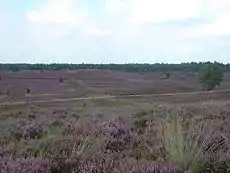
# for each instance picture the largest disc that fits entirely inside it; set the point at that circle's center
(28, 91)
(61, 80)
(7, 93)
(21, 165)
(165, 76)
(117, 133)
(211, 76)
(27, 131)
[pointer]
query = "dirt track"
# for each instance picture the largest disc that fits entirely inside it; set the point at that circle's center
(108, 97)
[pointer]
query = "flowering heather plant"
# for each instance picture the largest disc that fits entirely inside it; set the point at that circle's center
(145, 166)
(21, 165)
(33, 131)
(99, 163)
(101, 144)
(117, 133)
(66, 154)
(118, 163)
(27, 131)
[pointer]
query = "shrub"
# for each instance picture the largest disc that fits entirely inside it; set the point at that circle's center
(67, 154)
(166, 75)
(117, 133)
(27, 131)
(21, 165)
(100, 163)
(140, 123)
(61, 80)
(148, 166)
(7, 93)
(28, 91)
(33, 131)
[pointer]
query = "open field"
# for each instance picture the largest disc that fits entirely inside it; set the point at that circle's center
(101, 121)
(80, 83)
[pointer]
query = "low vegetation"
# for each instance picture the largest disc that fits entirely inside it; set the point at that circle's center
(160, 139)
(192, 149)
(118, 135)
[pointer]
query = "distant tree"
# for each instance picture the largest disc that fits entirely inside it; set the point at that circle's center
(14, 67)
(139, 68)
(60, 80)
(7, 93)
(167, 75)
(211, 76)
(28, 91)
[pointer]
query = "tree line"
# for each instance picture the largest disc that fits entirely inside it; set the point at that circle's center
(141, 68)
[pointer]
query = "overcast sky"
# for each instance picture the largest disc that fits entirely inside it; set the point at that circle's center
(114, 31)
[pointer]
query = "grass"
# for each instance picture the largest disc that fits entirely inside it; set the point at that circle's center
(187, 147)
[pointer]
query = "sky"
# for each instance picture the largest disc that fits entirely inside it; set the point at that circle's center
(114, 31)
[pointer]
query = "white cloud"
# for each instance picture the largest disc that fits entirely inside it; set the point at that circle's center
(155, 11)
(114, 5)
(147, 12)
(56, 11)
(119, 31)
(64, 14)
(219, 25)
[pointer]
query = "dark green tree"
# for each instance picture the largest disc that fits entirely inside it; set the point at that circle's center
(211, 76)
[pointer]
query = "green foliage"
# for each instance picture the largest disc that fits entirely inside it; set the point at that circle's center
(139, 68)
(211, 76)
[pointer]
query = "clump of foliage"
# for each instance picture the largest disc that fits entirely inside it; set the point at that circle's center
(115, 163)
(28, 91)
(167, 75)
(60, 80)
(27, 131)
(117, 133)
(211, 76)
(22, 165)
(7, 93)
(141, 120)
(192, 149)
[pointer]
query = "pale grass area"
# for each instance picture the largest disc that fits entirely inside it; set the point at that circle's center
(185, 145)
(88, 148)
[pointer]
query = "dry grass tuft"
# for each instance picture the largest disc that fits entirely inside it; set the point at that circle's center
(188, 146)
